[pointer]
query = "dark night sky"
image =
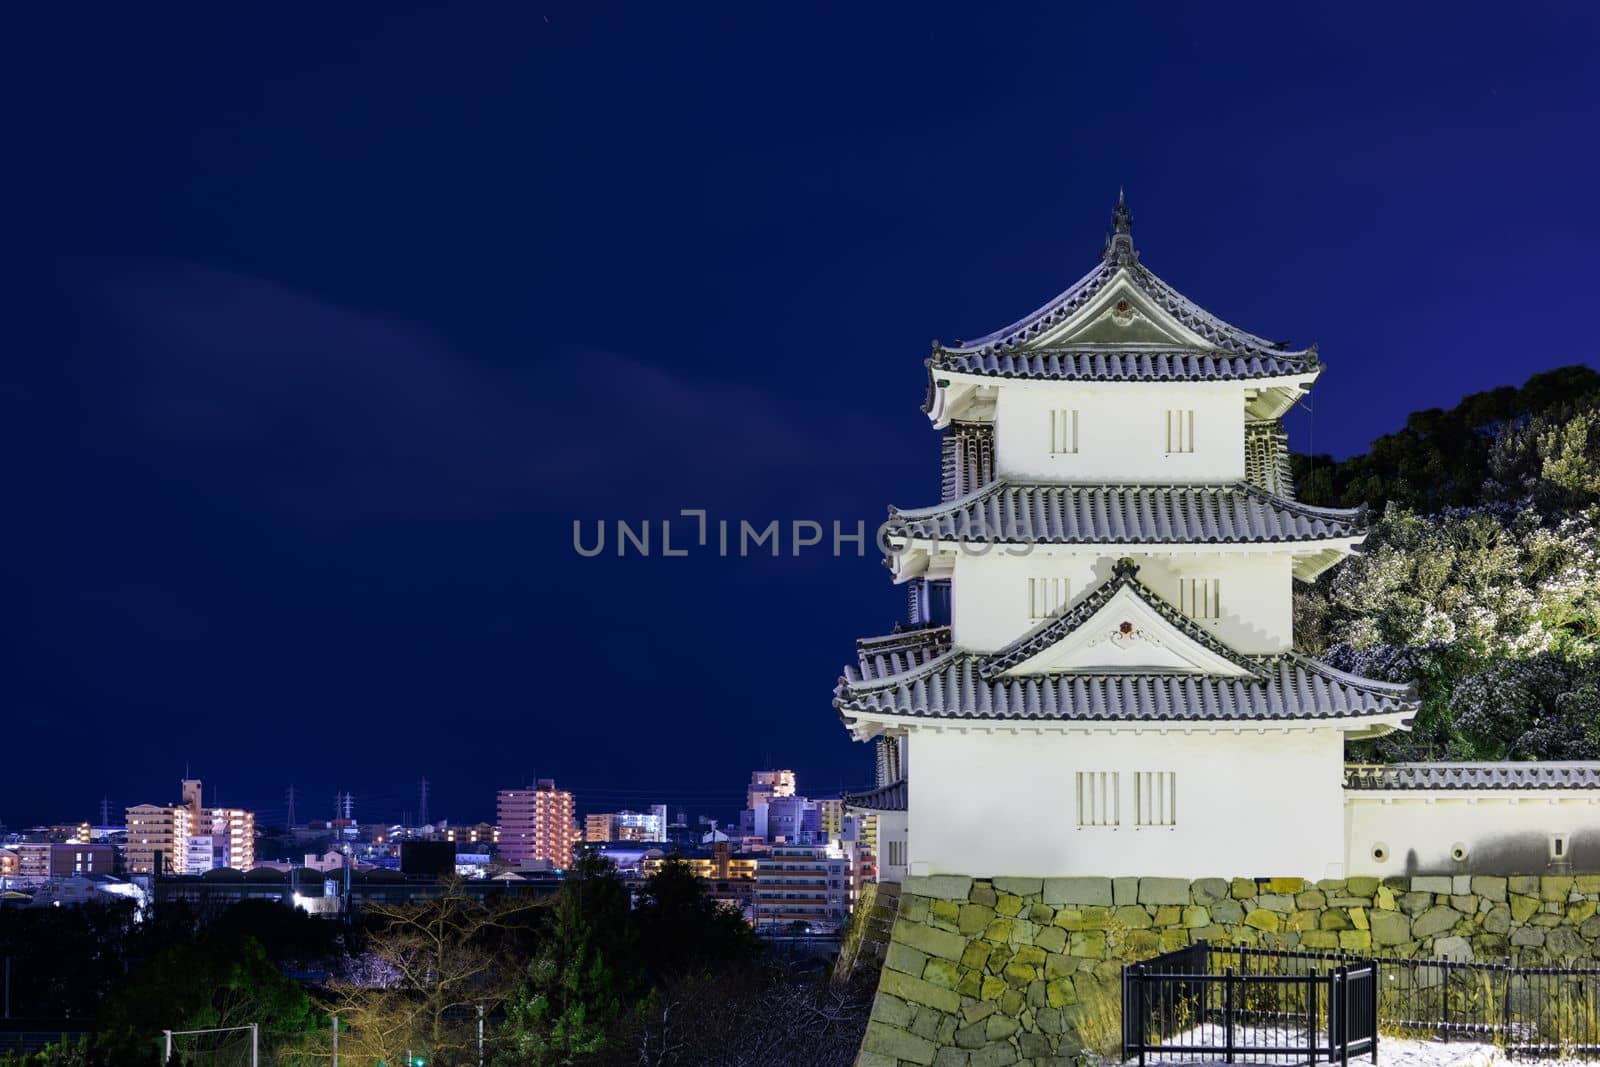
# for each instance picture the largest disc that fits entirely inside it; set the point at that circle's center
(323, 327)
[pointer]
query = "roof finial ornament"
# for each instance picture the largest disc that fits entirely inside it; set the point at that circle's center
(1126, 567)
(1119, 241)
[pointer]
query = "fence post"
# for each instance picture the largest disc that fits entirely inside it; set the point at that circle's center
(1372, 1020)
(1344, 1016)
(1311, 1015)
(1444, 998)
(1505, 1006)
(1138, 1001)
(1227, 1015)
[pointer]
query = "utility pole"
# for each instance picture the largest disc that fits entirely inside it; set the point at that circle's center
(335, 1039)
(422, 809)
(105, 811)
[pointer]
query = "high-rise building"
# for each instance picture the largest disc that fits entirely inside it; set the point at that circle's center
(803, 884)
(536, 824)
(189, 837)
(764, 785)
(627, 825)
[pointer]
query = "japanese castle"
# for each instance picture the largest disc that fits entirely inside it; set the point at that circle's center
(1098, 673)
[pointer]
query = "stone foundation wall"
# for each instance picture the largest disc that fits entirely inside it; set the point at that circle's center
(985, 973)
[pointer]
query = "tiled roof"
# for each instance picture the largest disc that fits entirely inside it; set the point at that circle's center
(1576, 775)
(1088, 365)
(1286, 687)
(960, 684)
(898, 652)
(1005, 512)
(891, 797)
(1227, 352)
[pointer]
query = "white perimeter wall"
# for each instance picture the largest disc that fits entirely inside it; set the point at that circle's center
(1268, 804)
(1122, 432)
(990, 592)
(1500, 829)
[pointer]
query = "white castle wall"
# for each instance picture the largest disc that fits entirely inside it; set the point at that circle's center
(990, 592)
(1005, 803)
(1122, 437)
(1502, 831)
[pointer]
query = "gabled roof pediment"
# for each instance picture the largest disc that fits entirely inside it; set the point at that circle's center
(1120, 627)
(1120, 316)
(1125, 634)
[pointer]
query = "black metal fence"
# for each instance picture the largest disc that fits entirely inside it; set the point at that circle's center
(1528, 1011)
(1196, 1003)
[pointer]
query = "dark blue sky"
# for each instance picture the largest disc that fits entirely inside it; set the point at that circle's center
(323, 326)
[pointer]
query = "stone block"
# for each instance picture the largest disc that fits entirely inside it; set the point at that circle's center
(1195, 916)
(915, 991)
(1527, 936)
(1588, 883)
(1563, 942)
(1060, 891)
(1415, 903)
(973, 918)
(1124, 891)
(1131, 917)
(1051, 939)
(1059, 993)
(1334, 919)
(1556, 887)
(943, 911)
(1009, 905)
(1262, 919)
(902, 957)
(1526, 884)
(1523, 908)
(1319, 939)
(935, 942)
(1434, 921)
(1282, 903)
(1383, 898)
(1438, 884)
(927, 1024)
(993, 1055)
(993, 987)
(1466, 905)
(998, 930)
(1170, 915)
(936, 886)
(941, 973)
(1460, 884)
(1022, 887)
(1164, 891)
(1488, 887)
(892, 1010)
(1359, 920)
(1301, 921)
(1242, 888)
(1454, 949)
(971, 1036)
(1209, 890)
(1290, 886)
(1578, 912)
(1591, 928)
(1355, 940)
(1311, 900)
(983, 893)
(1089, 943)
(1390, 928)
(1498, 919)
(946, 1057)
(998, 1027)
(1361, 887)
(898, 1044)
(1227, 912)
(1041, 914)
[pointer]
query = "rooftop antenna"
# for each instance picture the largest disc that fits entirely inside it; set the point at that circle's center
(422, 809)
(289, 796)
(105, 811)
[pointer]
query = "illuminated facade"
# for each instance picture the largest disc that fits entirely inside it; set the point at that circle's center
(536, 824)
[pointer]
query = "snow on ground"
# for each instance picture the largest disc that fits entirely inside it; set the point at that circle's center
(1392, 1051)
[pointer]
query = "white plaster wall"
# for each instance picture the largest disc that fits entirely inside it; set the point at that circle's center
(891, 827)
(990, 592)
(1122, 434)
(1510, 829)
(1266, 804)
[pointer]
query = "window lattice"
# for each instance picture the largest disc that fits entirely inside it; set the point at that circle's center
(1099, 802)
(1046, 597)
(1200, 598)
(1155, 798)
(966, 459)
(1266, 457)
(1063, 432)
(1180, 430)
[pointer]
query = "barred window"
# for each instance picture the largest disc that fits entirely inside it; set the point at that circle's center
(1200, 598)
(1046, 596)
(1155, 798)
(1063, 432)
(1180, 430)
(1099, 802)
